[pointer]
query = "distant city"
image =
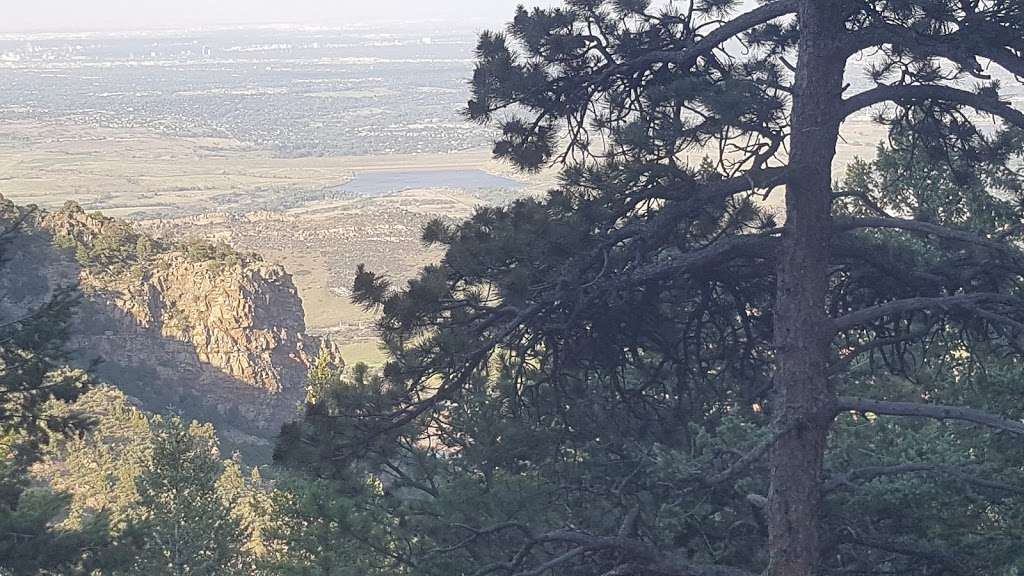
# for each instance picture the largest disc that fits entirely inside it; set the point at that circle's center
(296, 91)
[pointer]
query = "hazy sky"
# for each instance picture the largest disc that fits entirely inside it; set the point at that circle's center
(76, 15)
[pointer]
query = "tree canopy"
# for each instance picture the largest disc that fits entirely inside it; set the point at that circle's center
(33, 372)
(726, 388)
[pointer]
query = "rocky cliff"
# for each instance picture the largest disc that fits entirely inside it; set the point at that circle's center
(195, 328)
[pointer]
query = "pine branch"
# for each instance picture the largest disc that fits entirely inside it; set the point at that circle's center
(1004, 58)
(636, 556)
(903, 93)
(852, 353)
(675, 568)
(856, 252)
(720, 252)
(995, 318)
(555, 562)
(973, 38)
(710, 192)
(639, 556)
(468, 365)
(870, 473)
(865, 315)
(688, 57)
(751, 457)
(917, 550)
(926, 228)
(477, 533)
(934, 411)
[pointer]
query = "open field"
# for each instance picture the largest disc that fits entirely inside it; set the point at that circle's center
(143, 174)
(138, 173)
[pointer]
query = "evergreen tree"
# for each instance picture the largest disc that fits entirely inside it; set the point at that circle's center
(33, 367)
(160, 486)
(650, 314)
(250, 499)
(33, 371)
(513, 461)
(99, 469)
(183, 524)
(315, 530)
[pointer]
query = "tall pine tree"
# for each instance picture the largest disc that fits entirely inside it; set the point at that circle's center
(656, 287)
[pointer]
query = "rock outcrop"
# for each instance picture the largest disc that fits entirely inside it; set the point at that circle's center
(244, 319)
(196, 328)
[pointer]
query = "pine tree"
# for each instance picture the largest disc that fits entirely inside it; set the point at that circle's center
(33, 367)
(315, 530)
(183, 524)
(33, 372)
(99, 469)
(667, 288)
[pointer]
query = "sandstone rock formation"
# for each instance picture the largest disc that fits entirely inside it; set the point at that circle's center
(195, 328)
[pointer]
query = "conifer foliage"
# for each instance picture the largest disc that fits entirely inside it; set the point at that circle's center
(652, 312)
(33, 371)
(184, 523)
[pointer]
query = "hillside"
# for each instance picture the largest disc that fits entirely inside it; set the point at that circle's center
(194, 328)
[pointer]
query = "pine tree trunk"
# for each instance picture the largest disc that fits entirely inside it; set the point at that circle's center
(802, 335)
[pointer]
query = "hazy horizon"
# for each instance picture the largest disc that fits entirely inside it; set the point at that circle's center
(130, 15)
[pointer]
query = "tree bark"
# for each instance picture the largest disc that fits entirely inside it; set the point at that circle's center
(804, 405)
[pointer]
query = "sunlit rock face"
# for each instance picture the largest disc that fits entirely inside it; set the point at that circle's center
(210, 333)
(245, 319)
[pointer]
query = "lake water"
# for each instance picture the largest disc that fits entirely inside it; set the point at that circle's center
(379, 183)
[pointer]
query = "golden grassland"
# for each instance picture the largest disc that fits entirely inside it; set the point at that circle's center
(135, 171)
(132, 171)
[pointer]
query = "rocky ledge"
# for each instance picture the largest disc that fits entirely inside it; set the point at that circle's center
(194, 327)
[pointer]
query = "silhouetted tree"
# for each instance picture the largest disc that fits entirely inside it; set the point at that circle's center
(653, 286)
